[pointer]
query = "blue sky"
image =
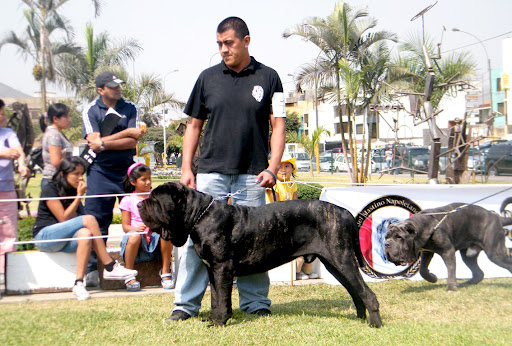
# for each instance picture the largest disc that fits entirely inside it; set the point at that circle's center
(181, 34)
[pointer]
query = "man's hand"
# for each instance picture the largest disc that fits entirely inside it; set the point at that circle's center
(188, 179)
(24, 171)
(134, 132)
(95, 144)
(266, 179)
(10, 153)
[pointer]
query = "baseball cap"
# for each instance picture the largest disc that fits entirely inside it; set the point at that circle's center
(109, 79)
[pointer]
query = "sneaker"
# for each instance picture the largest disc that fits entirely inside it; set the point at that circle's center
(302, 276)
(177, 315)
(119, 273)
(313, 276)
(92, 279)
(133, 286)
(80, 292)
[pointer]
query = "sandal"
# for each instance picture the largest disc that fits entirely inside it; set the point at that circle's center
(132, 287)
(168, 284)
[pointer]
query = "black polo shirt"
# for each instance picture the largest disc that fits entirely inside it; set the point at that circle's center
(237, 106)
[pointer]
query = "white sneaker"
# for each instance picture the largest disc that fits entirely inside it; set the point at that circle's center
(118, 273)
(80, 292)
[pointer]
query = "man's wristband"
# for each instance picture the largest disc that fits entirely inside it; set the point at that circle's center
(272, 174)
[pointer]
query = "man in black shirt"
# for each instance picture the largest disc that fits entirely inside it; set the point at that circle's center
(235, 97)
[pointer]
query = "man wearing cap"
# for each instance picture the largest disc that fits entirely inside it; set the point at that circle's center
(236, 96)
(114, 151)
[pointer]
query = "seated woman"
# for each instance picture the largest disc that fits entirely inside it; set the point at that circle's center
(63, 218)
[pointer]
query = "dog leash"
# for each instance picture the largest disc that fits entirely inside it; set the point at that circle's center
(231, 194)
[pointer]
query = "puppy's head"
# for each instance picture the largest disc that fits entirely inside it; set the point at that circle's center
(163, 212)
(400, 247)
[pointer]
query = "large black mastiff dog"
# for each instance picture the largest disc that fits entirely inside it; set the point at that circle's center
(238, 240)
(469, 229)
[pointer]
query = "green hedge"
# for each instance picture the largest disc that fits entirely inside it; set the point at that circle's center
(25, 233)
(309, 191)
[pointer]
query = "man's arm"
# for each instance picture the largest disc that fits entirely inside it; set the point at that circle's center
(190, 143)
(126, 139)
(277, 142)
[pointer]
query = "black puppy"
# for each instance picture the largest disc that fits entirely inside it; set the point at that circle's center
(238, 240)
(469, 229)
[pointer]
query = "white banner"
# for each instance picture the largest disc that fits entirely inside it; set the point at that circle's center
(373, 211)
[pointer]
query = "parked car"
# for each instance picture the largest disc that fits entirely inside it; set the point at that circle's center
(416, 158)
(340, 164)
(325, 163)
(301, 160)
(499, 159)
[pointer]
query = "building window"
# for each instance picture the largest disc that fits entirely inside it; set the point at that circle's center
(359, 129)
(501, 108)
(305, 119)
(498, 85)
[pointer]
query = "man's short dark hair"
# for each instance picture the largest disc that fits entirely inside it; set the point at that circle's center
(235, 23)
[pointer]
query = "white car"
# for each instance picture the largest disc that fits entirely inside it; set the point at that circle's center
(301, 160)
(341, 166)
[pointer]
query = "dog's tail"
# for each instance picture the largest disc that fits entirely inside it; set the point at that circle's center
(506, 221)
(357, 246)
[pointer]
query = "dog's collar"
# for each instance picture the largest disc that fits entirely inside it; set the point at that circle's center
(204, 212)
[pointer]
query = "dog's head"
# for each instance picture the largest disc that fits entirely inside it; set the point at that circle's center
(164, 212)
(400, 244)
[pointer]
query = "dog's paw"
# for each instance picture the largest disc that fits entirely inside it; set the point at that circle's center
(432, 278)
(216, 324)
(374, 320)
(452, 287)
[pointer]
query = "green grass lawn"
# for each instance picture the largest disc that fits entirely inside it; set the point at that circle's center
(413, 313)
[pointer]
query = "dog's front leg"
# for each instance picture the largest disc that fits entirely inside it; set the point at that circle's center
(449, 260)
(426, 257)
(221, 282)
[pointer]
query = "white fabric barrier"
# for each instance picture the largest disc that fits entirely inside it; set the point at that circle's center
(356, 198)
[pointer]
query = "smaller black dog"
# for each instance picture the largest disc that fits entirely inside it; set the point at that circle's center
(469, 229)
(239, 240)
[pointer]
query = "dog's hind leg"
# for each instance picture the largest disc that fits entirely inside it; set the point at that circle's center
(347, 273)
(472, 263)
(500, 255)
(426, 257)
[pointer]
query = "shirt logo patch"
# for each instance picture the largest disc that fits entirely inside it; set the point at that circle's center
(257, 93)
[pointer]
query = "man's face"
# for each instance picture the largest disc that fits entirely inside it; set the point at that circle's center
(234, 51)
(111, 94)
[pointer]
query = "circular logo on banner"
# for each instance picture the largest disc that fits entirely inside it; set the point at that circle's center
(372, 223)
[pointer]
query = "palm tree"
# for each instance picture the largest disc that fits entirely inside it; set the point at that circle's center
(77, 71)
(343, 34)
(309, 144)
(147, 92)
(411, 63)
(44, 19)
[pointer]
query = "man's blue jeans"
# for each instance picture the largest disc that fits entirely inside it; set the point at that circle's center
(192, 274)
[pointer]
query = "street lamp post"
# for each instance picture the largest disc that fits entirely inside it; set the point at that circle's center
(488, 67)
(164, 122)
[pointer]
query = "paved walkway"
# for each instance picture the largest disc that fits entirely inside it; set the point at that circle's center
(99, 293)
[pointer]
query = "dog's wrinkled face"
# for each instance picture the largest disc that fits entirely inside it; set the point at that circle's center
(399, 247)
(159, 209)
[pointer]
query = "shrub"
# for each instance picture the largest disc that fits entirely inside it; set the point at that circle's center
(116, 219)
(25, 233)
(309, 191)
